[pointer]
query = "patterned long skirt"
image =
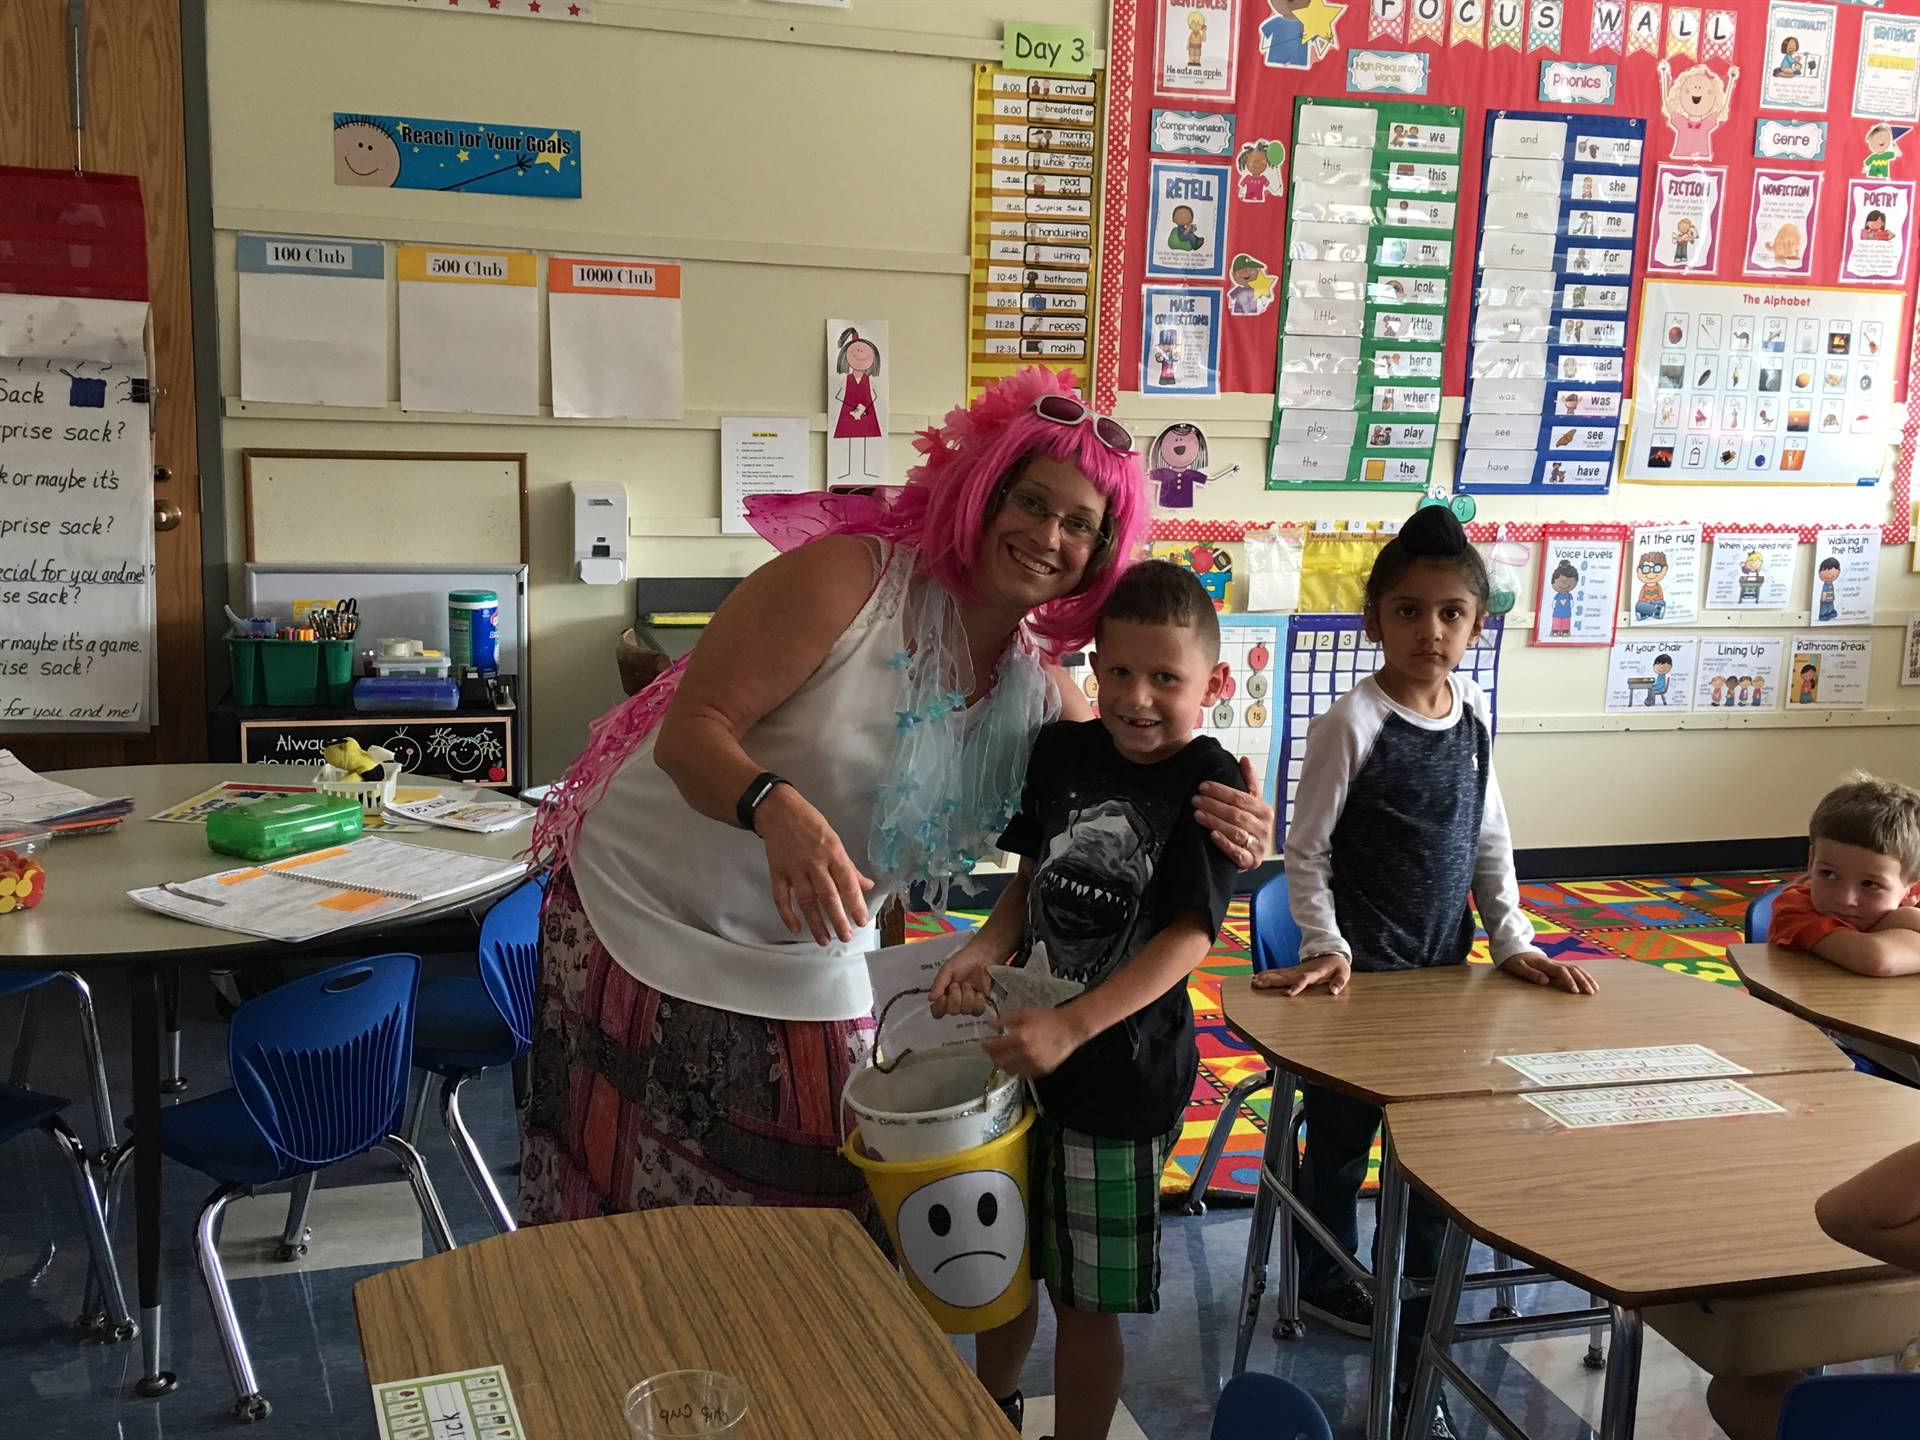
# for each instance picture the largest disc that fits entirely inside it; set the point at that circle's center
(641, 1100)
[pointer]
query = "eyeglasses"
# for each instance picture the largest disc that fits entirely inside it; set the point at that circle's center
(1075, 529)
(1063, 409)
(1647, 569)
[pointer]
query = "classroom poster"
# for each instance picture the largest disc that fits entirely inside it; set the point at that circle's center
(1799, 54)
(857, 401)
(1910, 655)
(1180, 349)
(1187, 220)
(1828, 672)
(1843, 567)
(1886, 79)
(1750, 570)
(1663, 575)
(468, 157)
(1652, 674)
(1879, 232)
(1196, 48)
(1738, 674)
(1686, 218)
(76, 459)
(1780, 222)
(1191, 132)
(1579, 597)
(313, 320)
(469, 330)
(760, 456)
(614, 336)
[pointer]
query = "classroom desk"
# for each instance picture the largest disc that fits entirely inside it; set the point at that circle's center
(1637, 1213)
(86, 919)
(1883, 1010)
(1416, 1035)
(798, 1305)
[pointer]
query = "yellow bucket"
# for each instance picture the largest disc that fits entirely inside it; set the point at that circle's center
(959, 1227)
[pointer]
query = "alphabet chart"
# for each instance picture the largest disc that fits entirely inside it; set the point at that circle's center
(1553, 280)
(460, 1405)
(1326, 656)
(1738, 384)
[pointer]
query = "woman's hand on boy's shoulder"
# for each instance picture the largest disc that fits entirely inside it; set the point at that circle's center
(1334, 969)
(1537, 969)
(1240, 818)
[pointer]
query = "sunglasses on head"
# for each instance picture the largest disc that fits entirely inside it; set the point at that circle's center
(1064, 409)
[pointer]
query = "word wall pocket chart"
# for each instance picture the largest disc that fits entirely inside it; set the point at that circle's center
(1553, 276)
(1326, 656)
(1371, 217)
(1744, 383)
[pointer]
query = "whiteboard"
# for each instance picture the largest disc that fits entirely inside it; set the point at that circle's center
(314, 507)
(1745, 384)
(410, 603)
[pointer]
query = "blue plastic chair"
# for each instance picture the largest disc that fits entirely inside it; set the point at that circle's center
(22, 1110)
(1265, 1407)
(15, 982)
(1860, 1407)
(319, 1071)
(1760, 915)
(467, 1024)
(1275, 946)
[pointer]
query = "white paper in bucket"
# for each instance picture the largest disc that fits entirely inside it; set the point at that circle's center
(902, 976)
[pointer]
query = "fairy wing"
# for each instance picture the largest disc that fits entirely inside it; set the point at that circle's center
(787, 521)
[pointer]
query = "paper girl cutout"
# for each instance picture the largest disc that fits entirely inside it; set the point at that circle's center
(1696, 102)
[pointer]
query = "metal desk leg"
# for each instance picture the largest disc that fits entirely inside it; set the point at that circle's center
(1253, 1281)
(1288, 1325)
(1623, 1377)
(144, 982)
(1389, 1265)
(1445, 1309)
(1596, 1356)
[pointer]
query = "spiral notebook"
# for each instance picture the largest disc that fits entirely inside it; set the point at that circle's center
(326, 890)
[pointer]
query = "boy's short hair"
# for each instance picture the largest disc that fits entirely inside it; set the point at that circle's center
(1878, 815)
(1159, 592)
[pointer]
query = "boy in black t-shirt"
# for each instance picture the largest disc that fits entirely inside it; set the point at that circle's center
(1119, 895)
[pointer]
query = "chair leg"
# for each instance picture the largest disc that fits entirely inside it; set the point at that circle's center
(295, 1236)
(104, 1131)
(249, 1404)
(469, 1153)
(1596, 1356)
(114, 1321)
(111, 1166)
(423, 1193)
(422, 1083)
(1505, 1302)
(173, 1082)
(23, 1040)
(1196, 1203)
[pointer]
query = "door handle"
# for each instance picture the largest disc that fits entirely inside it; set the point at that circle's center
(166, 515)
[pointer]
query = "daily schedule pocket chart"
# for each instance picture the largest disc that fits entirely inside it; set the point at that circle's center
(1372, 210)
(1553, 277)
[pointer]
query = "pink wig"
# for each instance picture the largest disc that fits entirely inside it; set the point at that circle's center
(948, 500)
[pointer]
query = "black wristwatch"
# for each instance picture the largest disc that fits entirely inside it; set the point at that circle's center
(758, 789)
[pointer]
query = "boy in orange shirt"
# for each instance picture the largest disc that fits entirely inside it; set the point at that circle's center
(1856, 907)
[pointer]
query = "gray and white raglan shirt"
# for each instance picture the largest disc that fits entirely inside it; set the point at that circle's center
(1397, 823)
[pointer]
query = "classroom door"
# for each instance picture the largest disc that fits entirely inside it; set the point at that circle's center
(134, 127)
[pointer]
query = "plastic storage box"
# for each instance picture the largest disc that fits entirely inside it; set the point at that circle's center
(405, 693)
(290, 672)
(23, 876)
(285, 825)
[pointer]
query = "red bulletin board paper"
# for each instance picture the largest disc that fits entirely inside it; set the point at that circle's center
(1481, 79)
(68, 234)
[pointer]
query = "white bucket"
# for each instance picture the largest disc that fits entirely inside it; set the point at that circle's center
(933, 1103)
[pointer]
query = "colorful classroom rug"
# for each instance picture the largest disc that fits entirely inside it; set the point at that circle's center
(1679, 922)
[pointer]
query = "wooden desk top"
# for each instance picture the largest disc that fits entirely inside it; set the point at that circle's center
(798, 1305)
(1885, 1010)
(1423, 1034)
(1682, 1209)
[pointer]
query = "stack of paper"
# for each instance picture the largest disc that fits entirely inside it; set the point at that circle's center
(462, 812)
(27, 799)
(327, 890)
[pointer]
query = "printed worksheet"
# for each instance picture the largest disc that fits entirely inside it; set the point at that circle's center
(460, 1405)
(1649, 1104)
(1561, 1069)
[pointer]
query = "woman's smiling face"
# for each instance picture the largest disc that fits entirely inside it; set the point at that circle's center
(1044, 534)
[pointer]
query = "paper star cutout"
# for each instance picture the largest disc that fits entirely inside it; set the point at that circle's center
(461, 156)
(534, 6)
(573, 9)
(1317, 19)
(1262, 286)
(549, 157)
(1031, 986)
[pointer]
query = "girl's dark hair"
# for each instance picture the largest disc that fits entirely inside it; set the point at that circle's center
(1431, 536)
(848, 338)
(1565, 571)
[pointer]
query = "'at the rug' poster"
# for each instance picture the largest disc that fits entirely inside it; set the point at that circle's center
(1742, 674)
(1652, 674)
(1843, 566)
(1686, 218)
(1828, 672)
(1879, 231)
(1664, 575)
(1780, 224)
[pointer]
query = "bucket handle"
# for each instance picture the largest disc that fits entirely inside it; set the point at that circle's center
(889, 1066)
(880, 1062)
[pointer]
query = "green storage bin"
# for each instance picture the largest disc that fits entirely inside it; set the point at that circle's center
(284, 825)
(291, 672)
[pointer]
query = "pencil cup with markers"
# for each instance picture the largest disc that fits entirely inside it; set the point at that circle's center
(23, 876)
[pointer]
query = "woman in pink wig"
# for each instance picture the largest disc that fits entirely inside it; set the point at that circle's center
(855, 720)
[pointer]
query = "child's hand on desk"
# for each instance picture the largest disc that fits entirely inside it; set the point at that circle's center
(961, 987)
(1034, 1042)
(1336, 970)
(1537, 969)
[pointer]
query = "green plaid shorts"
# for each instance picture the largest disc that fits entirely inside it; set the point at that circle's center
(1095, 1214)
